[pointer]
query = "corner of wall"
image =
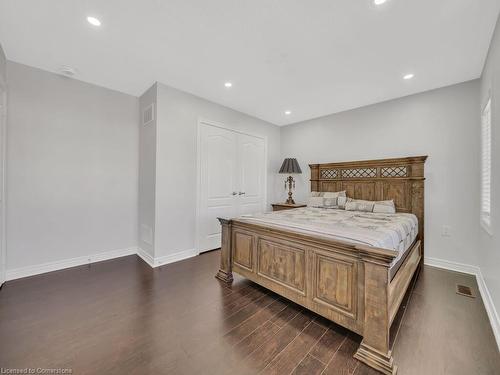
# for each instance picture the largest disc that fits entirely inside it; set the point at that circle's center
(147, 174)
(3, 68)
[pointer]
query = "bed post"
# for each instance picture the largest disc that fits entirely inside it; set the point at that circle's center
(375, 350)
(314, 177)
(417, 197)
(225, 272)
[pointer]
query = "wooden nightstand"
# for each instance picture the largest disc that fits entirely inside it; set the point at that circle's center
(286, 206)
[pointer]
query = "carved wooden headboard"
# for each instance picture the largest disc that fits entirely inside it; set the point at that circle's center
(399, 179)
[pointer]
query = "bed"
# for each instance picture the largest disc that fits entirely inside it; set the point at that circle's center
(350, 267)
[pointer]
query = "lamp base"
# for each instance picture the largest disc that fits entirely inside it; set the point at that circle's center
(291, 183)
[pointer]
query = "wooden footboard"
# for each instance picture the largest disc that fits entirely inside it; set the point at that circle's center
(348, 284)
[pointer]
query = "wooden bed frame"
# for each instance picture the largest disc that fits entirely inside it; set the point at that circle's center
(346, 283)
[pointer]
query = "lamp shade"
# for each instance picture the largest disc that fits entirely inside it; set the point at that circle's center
(290, 165)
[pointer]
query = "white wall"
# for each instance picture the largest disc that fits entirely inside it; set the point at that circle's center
(147, 173)
(3, 89)
(72, 168)
(489, 256)
(441, 124)
(178, 114)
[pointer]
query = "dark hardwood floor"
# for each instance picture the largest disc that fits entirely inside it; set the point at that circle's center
(122, 317)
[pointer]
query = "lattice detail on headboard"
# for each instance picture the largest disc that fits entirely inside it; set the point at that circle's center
(400, 171)
(359, 173)
(329, 174)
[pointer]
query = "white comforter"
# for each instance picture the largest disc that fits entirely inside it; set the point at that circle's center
(388, 231)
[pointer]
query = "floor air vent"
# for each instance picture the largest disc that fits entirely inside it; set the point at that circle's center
(465, 291)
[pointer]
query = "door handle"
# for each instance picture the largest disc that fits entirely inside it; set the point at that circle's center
(235, 193)
(241, 193)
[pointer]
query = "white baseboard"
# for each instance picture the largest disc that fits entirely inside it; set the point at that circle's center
(489, 306)
(483, 289)
(37, 269)
(171, 258)
(145, 256)
(451, 266)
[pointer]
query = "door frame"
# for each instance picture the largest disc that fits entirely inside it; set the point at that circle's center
(3, 185)
(203, 121)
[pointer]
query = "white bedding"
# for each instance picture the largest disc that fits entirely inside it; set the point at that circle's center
(388, 231)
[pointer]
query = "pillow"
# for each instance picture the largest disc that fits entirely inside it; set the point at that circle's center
(315, 202)
(384, 207)
(359, 205)
(381, 207)
(328, 194)
(330, 202)
(328, 199)
(341, 201)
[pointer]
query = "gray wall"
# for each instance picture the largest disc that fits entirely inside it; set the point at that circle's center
(72, 168)
(441, 124)
(3, 68)
(147, 173)
(489, 258)
(178, 114)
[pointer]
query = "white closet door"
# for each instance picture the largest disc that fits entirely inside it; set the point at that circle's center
(218, 183)
(232, 180)
(251, 166)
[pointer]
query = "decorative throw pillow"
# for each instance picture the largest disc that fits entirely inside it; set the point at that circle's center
(328, 199)
(315, 202)
(384, 207)
(336, 194)
(330, 202)
(341, 201)
(328, 194)
(360, 205)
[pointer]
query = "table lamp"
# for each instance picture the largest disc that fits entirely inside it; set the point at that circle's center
(290, 166)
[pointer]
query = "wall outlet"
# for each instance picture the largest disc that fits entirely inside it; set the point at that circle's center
(446, 231)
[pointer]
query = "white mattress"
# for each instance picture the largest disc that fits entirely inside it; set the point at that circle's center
(388, 231)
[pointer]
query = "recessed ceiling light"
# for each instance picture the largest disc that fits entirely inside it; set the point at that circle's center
(408, 76)
(93, 21)
(379, 2)
(288, 113)
(228, 84)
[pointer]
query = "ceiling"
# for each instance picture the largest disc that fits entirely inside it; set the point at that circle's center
(310, 57)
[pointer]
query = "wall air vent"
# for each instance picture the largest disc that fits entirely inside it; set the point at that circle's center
(148, 114)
